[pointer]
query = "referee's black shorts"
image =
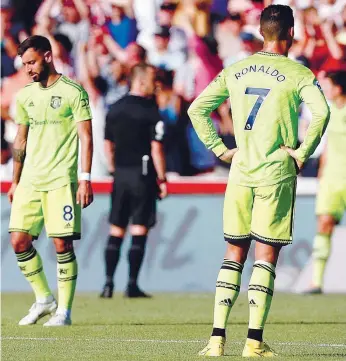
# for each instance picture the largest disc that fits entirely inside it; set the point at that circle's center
(134, 197)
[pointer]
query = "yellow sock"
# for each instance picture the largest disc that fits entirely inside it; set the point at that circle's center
(30, 263)
(227, 291)
(260, 293)
(321, 252)
(67, 279)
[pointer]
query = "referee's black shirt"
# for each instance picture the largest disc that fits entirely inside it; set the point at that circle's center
(132, 123)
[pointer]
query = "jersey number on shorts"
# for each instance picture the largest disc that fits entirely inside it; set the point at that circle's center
(261, 93)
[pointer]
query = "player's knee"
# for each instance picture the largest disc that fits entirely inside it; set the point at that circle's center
(322, 247)
(21, 242)
(267, 253)
(63, 245)
(116, 231)
(237, 253)
(325, 225)
(138, 230)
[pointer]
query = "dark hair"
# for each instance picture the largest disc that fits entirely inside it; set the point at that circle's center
(275, 22)
(338, 78)
(165, 77)
(36, 42)
(64, 41)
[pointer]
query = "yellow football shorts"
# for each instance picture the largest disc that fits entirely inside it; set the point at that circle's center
(57, 210)
(331, 198)
(264, 214)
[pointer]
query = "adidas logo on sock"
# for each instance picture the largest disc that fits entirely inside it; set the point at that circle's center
(226, 302)
(252, 303)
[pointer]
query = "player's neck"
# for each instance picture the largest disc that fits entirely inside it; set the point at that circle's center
(275, 47)
(340, 101)
(52, 78)
(137, 93)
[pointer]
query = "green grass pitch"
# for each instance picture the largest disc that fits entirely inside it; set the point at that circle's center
(173, 327)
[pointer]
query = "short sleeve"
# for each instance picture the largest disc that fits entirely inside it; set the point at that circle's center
(81, 108)
(108, 127)
(22, 116)
(157, 126)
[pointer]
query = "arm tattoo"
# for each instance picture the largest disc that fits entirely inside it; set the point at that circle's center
(19, 155)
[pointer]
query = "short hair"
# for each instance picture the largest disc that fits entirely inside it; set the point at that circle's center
(338, 78)
(36, 42)
(139, 69)
(275, 22)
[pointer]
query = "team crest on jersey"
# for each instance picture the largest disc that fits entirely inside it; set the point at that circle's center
(55, 102)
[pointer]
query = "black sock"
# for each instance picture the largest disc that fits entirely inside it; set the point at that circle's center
(255, 334)
(219, 332)
(112, 255)
(136, 255)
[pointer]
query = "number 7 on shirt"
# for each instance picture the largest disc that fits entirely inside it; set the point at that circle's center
(261, 93)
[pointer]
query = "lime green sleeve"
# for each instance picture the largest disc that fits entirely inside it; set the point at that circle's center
(81, 108)
(312, 95)
(199, 112)
(22, 116)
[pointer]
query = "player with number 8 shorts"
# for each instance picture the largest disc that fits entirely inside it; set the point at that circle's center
(53, 114)
(265, 92)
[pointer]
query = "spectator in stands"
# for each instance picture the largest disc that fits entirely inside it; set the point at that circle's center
(177, 39)
(121, 27)
(97, 87)
(227, 34)
(169, 107)
(73, 21)
(160, 55)
(195, 13)
(12, 33)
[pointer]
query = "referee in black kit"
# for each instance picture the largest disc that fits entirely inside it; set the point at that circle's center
(134, 149)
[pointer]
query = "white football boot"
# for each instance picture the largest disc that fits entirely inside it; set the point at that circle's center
(37, 311)
(59, 319)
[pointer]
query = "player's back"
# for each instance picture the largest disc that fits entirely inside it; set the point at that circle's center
(265, 95)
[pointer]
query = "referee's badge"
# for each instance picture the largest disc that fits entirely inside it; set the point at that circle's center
(55, 102)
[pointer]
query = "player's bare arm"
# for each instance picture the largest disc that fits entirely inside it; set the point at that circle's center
(109, 148)
(19, 151)
(85, 193)
(199, 112)
(158, 156)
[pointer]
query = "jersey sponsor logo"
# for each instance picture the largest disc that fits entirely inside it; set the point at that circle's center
(261, 69)
(55, 102)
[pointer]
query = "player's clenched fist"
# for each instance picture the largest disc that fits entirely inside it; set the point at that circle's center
(85, 194)
(228, 155)
(10, 193)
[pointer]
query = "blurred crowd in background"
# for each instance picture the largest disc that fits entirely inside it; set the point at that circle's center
(96, 42)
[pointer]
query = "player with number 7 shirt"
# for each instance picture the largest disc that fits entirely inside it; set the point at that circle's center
(265, 92)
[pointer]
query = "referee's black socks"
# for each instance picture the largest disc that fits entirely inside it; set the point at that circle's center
(136, 256)
(112, 255)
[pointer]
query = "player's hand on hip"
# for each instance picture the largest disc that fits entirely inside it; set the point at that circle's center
(85, 194)
(292, 153)
(11, 191)
(228, 155)
(163, 190)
